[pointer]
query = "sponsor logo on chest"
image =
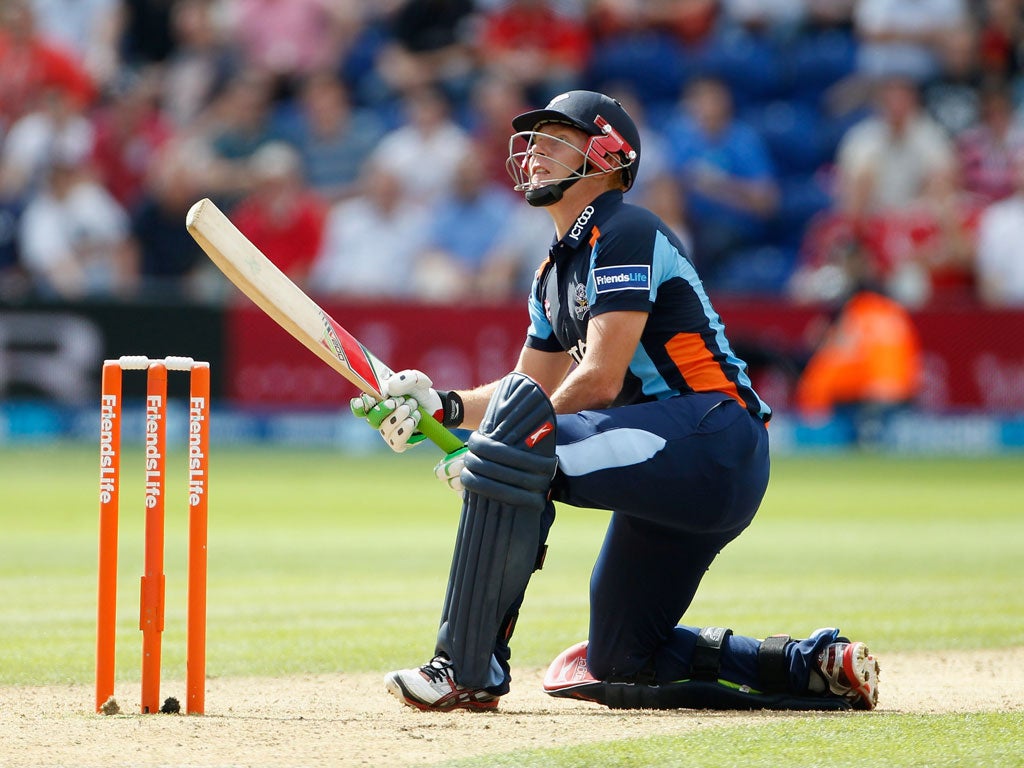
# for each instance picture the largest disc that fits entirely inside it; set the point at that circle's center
(625, 277)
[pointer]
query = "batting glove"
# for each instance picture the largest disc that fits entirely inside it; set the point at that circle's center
(418, 386)
(396, 418)
(449, 469)
(397, 415)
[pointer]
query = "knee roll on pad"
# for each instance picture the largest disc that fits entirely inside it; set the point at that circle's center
(506, 473)
(511, 457)
(509, 467)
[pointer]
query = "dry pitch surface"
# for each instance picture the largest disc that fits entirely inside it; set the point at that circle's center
(349, 720)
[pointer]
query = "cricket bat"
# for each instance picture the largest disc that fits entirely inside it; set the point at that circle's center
(289, 306)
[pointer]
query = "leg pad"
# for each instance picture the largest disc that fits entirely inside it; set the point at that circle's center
(509, 467)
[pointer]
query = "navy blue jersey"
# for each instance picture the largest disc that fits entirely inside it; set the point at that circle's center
(619, 257)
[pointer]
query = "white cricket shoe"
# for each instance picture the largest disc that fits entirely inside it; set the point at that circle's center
(851, 672)
(432, 687)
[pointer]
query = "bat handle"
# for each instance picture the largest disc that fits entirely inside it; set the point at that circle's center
(439, 435)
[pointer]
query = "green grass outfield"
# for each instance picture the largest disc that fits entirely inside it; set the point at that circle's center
(324, 563)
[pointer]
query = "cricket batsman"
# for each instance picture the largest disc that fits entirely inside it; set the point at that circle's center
(626, 397)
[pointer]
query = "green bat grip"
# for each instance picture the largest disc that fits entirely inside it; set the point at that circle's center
(438, 434)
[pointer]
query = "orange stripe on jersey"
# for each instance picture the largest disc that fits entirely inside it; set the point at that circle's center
(541, 267)
(698, 366)
(594, 235)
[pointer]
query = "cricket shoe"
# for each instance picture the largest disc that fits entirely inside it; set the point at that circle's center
(432, 687)
(851, 672)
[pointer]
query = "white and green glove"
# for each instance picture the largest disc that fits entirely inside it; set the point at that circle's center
(449, 469)
(396, 416)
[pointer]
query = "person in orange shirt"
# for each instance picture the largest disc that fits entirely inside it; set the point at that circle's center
(870, 357)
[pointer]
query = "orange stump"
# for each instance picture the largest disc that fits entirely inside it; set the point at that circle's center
(153, 582)
(110, 485)
(198, 497)
(151, 609)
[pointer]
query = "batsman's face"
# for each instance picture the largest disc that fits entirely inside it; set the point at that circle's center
(555, 152)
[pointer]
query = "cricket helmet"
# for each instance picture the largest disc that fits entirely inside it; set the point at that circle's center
(614, 144)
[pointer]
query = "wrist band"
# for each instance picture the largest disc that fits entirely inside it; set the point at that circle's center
(451, 405)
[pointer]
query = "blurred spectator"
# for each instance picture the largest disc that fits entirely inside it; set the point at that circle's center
(922, 252)
(238, 123)
(90, 29)
(13, 282)
(464, 227)
(774, 17)
(371, 241)
(986, 151)
(199, 65)
(662, 195)
(1001, 38)
(635, 49)
(928, 247)
(656, 150)
(289, 39)
(130, 130)
(726, 176)
(905, 38)
(281, 216)
(333, 137)
(30, 65)
(171, 263)
(537, 44)
(494, 101)
(820, 275)
(245, 117)
(829, 14)
(951, 98)
(689, 21)
(147, 35)
(74, 236)
(429, 43)
(56, 127)
(425, 149)
(521, 244)
(656, 185)
(884, 161)
(1000, 254)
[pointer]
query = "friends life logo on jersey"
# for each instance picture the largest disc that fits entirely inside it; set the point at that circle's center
(625, 277)
(578, 299)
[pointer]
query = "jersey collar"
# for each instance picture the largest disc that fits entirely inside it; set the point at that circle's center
(589, 217)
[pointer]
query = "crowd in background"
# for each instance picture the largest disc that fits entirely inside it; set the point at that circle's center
(798, 146)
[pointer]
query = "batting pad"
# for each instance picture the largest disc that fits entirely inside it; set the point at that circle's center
(509, 467)
(569, 678)
(695, 694)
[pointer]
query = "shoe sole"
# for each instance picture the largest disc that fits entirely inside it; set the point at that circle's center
(861, 670)
(446, 704)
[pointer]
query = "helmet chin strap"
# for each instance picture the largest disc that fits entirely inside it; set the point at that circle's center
(544, 196)
(551, 193)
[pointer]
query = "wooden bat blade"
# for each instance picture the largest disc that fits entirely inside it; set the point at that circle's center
(289, 306)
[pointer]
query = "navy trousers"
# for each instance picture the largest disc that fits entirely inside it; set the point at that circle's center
(682, 478)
